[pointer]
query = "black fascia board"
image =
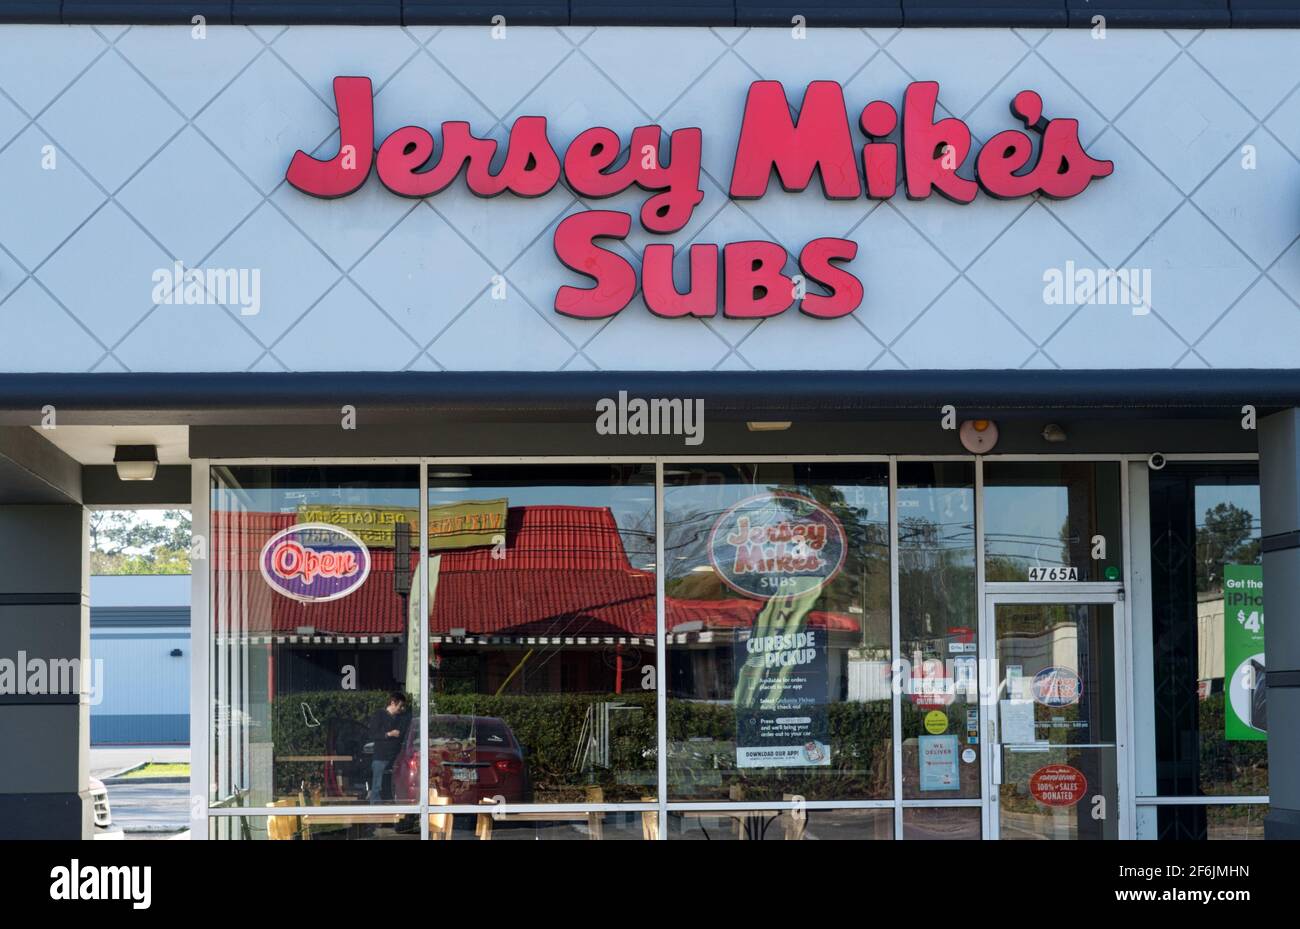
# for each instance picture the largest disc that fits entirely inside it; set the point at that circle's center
(316, 397)
(1150, 14)
(1196, 14)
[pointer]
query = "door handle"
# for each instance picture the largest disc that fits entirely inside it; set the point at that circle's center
(997, 764)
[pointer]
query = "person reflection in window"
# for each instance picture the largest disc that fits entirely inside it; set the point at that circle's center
(387, 731)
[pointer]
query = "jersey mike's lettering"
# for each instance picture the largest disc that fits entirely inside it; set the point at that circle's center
(407, 166)
(933, 151)
(748, 280)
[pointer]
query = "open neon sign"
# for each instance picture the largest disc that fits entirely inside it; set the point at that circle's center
(747, 278)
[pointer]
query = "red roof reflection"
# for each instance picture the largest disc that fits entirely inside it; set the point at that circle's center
(563, 571)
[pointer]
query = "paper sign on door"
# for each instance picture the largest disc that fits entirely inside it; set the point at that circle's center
(1017, 722)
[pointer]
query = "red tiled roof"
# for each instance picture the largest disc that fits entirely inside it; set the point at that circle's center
(564, 572)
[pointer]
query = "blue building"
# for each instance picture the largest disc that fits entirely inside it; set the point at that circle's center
(140, 630)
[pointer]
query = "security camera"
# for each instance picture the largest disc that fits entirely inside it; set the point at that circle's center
(1156, 462)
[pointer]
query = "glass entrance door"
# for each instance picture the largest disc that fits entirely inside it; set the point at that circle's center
(1057, 758)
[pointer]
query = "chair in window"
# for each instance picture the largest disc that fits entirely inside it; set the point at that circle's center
(283, 828)
(740, 821)
(288, 827)
(595, 819)
(440, 824)
(794, 823)
(649, 821)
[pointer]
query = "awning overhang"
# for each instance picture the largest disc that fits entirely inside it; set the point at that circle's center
(314, 398)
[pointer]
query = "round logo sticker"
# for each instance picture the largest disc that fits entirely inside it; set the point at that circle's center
(936, 722)
(1058, 785)
(314, 562)
(1057, 686)
(777, 544)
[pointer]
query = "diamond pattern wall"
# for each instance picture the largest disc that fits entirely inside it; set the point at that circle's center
(125, 149)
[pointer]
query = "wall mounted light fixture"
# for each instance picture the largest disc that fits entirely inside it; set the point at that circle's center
(136, 462)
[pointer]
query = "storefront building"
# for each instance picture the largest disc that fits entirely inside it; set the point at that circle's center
(729, 421)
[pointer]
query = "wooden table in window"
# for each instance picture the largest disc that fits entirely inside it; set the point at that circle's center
(594, 820)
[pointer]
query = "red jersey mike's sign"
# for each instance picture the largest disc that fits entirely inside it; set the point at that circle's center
(747, 279)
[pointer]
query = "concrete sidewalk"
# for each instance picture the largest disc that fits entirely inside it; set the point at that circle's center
(109, 760)
(149, 810)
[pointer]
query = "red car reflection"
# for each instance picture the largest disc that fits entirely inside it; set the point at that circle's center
(471, 758)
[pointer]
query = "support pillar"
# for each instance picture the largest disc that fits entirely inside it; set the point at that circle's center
(44, 646)
(1279, 488)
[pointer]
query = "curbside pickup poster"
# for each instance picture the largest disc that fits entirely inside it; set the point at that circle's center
(782, 688)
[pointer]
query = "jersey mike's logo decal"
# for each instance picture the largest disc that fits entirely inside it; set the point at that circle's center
(777, 544)
(1057, 686)
(314, 562)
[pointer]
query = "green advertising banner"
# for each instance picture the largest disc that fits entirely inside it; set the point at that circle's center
(1243, 653)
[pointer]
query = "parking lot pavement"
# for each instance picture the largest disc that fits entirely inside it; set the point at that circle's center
(108, 760)
(149, 807)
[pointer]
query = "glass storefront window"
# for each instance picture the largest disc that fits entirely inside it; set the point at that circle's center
(314, 675)
(485, 826)
(1052, 521)
(928, 823)
(777, 609)
(542, 635)
(316, 826)
(791, 824)
(1205, 524)
(939, 630)
(544, 827)
(1213, 821)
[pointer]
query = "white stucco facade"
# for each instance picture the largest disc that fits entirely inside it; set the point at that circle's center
(167, 147)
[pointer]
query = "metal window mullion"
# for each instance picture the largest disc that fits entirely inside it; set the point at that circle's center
(422, 656)
(570, 808)
(1202, 801)
(559, 809)
(895, 648)
(200, 651)
(661, 653)
(986, 655)
(228, 812)
(721, 459)
(1127, 765)
(705, 806)
(1138, 580)
(240, 693)
(223, 657)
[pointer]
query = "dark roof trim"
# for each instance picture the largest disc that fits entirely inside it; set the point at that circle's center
(317, 398)
(1078, 13)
